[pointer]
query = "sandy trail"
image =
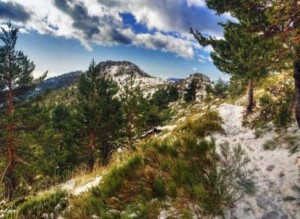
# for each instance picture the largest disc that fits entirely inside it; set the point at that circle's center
(273, 171)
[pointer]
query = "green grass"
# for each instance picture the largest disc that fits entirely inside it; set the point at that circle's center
(95, 202)
(270, 144)
(208, 123)
(159, 187)
(35, 207)
(292, 142)
(181, 167)
(116, 175)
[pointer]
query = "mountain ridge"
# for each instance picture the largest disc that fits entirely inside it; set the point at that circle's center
(119, 71)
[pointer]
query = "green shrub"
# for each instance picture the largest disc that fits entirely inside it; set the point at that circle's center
(159, 187)
(270, 144)
(293, 143)
(221, 187)
(165, 148)
(190, 91)
(47, 203)
(219, 89)
(172, 189)
(181, 167)
(95, 201)
(267, 106)
(275, 103)
(208, 123)
(296, 188)
(283, 116)
(116, 176)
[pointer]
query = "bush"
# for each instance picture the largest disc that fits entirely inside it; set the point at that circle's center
(237, 87)
(173, 93)
(99, 199)
(159, 187)
(208, 123)
(45, 204)
(116, 176)
(160, 98)
(190, 91)
(270, 145)
(221, 187)
(283, 117)
(183, 167)
(293, 143)
(276, 101)
(220, 89)
(267, 106)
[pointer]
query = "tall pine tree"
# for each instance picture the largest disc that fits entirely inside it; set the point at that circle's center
(101, 112)
(244, 52)
(284, 27)
(15, 77)
(132, 106)
(190, 91)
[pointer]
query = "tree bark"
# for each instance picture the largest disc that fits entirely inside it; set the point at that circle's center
(104, 153)
(91, 146)
(250, 102)
(129, 130)
(297, 87)
(11, 152)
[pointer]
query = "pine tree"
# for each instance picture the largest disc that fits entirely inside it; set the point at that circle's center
(88, 89)
(244, 52)
(277, 20)
(16, 77)
(284, 27)
(100, 110)
(173, 93)
(160, 98)
(133, 104)
(191, 90)
(220, 88)
(111, 117)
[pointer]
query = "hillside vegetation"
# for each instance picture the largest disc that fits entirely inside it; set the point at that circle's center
(115, 142)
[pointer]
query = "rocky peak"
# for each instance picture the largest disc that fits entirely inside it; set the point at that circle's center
(200, 78)
(121, 68)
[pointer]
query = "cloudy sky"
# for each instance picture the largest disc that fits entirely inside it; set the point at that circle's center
(64, 35)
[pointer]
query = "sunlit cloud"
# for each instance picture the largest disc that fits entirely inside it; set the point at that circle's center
(99, 22)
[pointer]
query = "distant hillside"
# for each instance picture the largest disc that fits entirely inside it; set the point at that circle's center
(119, 71)
(56, 83)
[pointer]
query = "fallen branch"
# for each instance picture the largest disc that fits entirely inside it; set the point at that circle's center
(4, 173)
(18, 159)
(155, 130)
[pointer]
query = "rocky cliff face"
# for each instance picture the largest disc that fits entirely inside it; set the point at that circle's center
(121, 68)
(199, 77)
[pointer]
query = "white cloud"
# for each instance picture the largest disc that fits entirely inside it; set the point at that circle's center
(197, 3)
(204, 59)
(100, 22)
(166, 43)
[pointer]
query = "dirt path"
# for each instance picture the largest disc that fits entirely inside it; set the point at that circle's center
(273, 171)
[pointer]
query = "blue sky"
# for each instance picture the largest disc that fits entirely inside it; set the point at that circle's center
(64, 35)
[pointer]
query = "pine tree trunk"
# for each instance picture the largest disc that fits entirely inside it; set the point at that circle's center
(250, 102)
(91, 146)
(297, 87)
(11, 153)
(130, 129)
(104, 153)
